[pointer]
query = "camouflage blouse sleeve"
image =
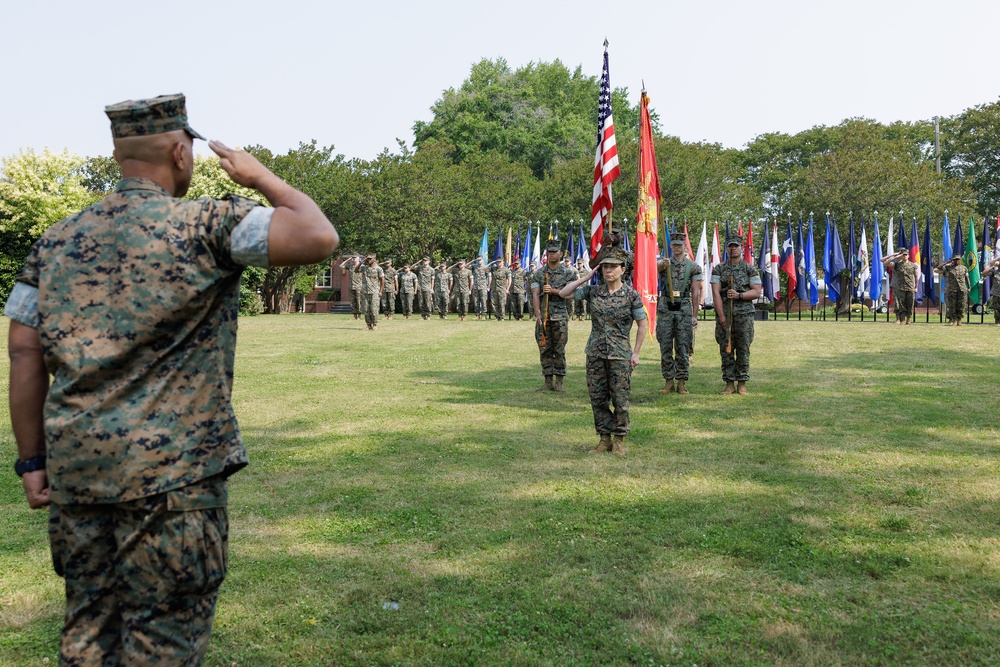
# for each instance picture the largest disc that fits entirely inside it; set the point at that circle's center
(22, 304)
(236, 230)
(638, 311)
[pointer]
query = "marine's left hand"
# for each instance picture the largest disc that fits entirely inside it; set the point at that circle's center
(634, 360)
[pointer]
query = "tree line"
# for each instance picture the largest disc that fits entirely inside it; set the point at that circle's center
(513, 145)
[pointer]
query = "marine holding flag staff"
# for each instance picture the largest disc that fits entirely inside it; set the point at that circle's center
(551, 315)
(134, 439)
(735, 285)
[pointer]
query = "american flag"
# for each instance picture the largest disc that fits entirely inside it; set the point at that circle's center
(606, 167)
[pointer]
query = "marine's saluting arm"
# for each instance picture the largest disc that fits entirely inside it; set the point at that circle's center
(567, 291)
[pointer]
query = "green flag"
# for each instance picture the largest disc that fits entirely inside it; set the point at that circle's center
(970, 259)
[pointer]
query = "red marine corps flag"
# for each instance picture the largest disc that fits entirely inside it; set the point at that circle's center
(605, 161)
(644, 279)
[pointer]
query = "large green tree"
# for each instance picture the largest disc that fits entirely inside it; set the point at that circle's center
(971, 152)
(541, 115)
(36, 190)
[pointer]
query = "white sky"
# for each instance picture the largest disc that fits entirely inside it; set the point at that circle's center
(357, 75)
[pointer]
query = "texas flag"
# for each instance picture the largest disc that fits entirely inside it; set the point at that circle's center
(787, 262)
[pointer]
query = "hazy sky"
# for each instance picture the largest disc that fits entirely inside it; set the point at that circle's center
(357, 75)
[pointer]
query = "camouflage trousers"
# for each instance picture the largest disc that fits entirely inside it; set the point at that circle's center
(389, 303)
(499, 300)
(142, 577)
(995, 305)
(553, 352)
(426, 303)
(462, 303)
(609, 382)
(369, 305)
(580, 308)
(517, 305)
(406, 300)
(441, 301)
(481, 300)
(954, 305)
(356, 308)
(903, 304)
(736, 364)
(674, 333)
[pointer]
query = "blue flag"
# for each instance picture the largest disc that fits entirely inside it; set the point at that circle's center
(901, 242)
(927, 263)
(570, 247)
(810, 260)
(945, 246)
(625, 243)
(526, 255)
(484, 245)
(959, 244)
(852, 257)
(837, 263)
(878, 269)
(832, 292)
(498, 248)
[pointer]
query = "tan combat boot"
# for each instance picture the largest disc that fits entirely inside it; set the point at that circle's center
(618, 445)
(548, 384)
(681, 389)
(668, 388)
(730, 388)
(741, 388)
(603, 446)
(557, 383)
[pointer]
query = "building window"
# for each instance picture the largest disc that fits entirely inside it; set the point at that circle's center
(325, 280)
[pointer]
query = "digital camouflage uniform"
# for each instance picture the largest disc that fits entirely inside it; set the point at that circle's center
(500, 275)
(462, 291)
(554, 322)
(357, 308)
(904, 287)
(442, 291)
(407, 289)
(517, 276)
(609, 349)
(736, 364)
(135, 303)
(674, 311)
(389, 293)
(956, 290)
(425, 285)
(580, 305)
(371, 291)
(480, 288)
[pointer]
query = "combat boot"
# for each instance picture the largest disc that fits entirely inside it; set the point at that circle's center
(618, 445)
(681, 389)
(730, 388)
(548, 384)
(557, 383)
(668, 388)
(603, 446)
(741, 388)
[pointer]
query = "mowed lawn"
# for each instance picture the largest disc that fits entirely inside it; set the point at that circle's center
(413, 500)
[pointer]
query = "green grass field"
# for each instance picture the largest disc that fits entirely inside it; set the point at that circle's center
(412, 500)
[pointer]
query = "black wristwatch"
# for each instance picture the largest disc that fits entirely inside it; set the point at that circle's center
(29, 465)
(739, 293)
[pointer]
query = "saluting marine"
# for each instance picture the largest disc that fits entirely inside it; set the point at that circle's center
(517, 290)
(462, 289)
(425, 283)
(354, 283)
(372, 284)
(480, 288)
(904, 284)
(499, 288)
(407, 290)
(389, 292)
(955, 276)
(442, 290)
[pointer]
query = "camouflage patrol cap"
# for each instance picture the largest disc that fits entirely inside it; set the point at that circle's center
(734, 239)
(677, 238)
(614, 256)
(139, 118)
(553, 245)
